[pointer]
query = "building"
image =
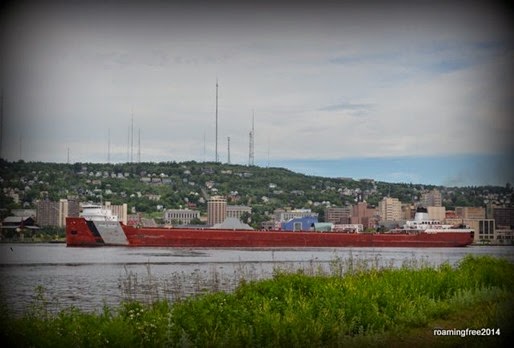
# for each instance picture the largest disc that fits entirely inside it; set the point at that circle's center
(305, 223)
(436, 213)
(121, 211)
(484, 229)
(323, 226)
(488, 232)
(236, 211)
(16, 227)
(390, 209)
(470, 212)
(408, 211)
(352, 228)
(363, 214)
(504, 217)
(180, 216)
(216, 210)
(232, 223)
(338, 215)
(49, 213)
(431, 199)
(23, 212)
(282, 215)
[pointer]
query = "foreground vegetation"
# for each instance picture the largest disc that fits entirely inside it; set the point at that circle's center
(397, 307)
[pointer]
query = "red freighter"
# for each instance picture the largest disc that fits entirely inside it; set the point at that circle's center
(107, 231)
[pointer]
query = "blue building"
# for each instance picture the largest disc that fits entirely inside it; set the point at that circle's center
(305, 223)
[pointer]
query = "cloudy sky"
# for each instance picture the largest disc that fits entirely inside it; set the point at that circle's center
(334, 89)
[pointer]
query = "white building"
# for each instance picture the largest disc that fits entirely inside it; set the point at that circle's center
(182, 216)
(236, 211)
(286, 215)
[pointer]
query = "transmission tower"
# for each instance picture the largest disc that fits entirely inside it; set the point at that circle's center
(251, 154)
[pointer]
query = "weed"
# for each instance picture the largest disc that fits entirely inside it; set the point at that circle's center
(352, 304)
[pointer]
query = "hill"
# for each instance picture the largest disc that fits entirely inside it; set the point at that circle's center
(152, 187)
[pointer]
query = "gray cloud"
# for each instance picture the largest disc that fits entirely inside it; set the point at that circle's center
(354, 107)
(70, 71)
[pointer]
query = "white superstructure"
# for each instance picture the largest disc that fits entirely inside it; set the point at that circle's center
(422, 223)
(95, 212)
(105, 223)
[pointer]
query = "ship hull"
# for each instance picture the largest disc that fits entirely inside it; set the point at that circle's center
(80, 232)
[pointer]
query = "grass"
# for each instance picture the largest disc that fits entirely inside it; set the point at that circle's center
(360, 307)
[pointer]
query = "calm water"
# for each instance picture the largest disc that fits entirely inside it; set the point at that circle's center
(88, 278)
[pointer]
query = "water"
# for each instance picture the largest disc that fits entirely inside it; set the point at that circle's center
(89, 278)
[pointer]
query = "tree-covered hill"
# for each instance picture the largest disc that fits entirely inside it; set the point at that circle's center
(151, 187)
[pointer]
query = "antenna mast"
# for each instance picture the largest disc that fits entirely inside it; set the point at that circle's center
(108, 145)
(132, 139)
(252, 139)
(216, 120)
(128, 144)
(139, 145)
(204, 146)
(228, 160)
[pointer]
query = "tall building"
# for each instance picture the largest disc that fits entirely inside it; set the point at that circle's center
(121, 211)
(216, 210)
(408, 211)
(362, 214)
(436, 213)
(390, 209)
(504, 217)
(470, 212)
(338, 215)
(49, 213)
(432, 199)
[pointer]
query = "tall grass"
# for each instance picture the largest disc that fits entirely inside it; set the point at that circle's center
(291, 309)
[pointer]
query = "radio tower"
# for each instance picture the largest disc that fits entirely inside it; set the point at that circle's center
(252, 139)
(228, 158)
(139, 145)
(109, 145)
(216, 120)
(132, 139)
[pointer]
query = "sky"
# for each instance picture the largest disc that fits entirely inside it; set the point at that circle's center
(416, 91)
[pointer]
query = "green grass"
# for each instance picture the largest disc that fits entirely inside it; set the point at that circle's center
(398, 307)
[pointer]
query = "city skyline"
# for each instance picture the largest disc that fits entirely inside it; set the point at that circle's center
(334, 88)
